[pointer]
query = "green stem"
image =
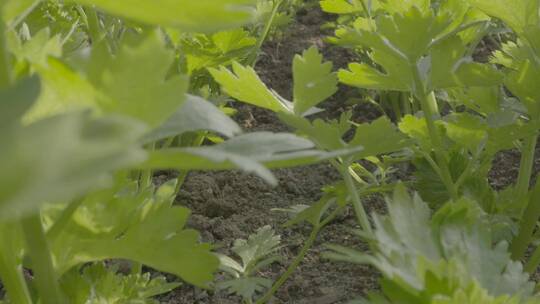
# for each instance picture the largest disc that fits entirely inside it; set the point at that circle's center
(145, 182)
(298, 259)
(532, 210)
(527, 225)
(428, 103)
(470, 166)
(396, 106)
(361, 214)
(526, 165)
(367, 11)
(533, 262)
(14, 283)
(6, 73)
(136, 268)
(146, 176)
(11, 270)
(432, 108)
(41, 261)
(180, 181)
(357, 178)
(146, 179)
(64, 218)
(404, 98)
(197, 142)
(290, 270)
(252, 60)
(93, 27)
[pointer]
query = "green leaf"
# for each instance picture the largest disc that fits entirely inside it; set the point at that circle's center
(196, 114)
(97, 284)
(450, 69)
(247, 288)
(38, 49)
(256, 252)
(63, 91)
(475, 294)
(522, 70)
(327, 135)
(232, 40)
(127, 83)
(414, 36)
(467, 131)
(257, 247)
(76, 153)
(314, 81)
(522, 83)
(121, 223)
(311, 214)
(17, 100)
(369, 137)
(401, 6)
(14, 9)
(436, 257)
(429, 183)
(342, 6)
(134, 83)
(484, 100)
(417, 129)
(212, 51)
(244, 84)
(516, 14)
(395, 77)
(187, 15)
(253, 153)
(489, 264)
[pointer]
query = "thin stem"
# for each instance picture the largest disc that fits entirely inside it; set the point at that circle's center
(41, 261)
(11, 270)
(64, 218)
(527, 225)
(431, 162)
(292, 267)
(6, 73)
(93, 27)
(146, 179)
(404, 98)
(146, 176)
(432, 107)
(396, 106)
(136, 268)
(367, 11)
(252, 60)
(180, 181)
(429, 106)
(532, 210)
(470, 166)
(526, 165)
(14, 283)
(197, 142)
(457, 30)
(534, 261)
(361, 214)
(357, 178)
(298, 259)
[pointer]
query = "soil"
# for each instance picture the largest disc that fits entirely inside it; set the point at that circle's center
(230, 205)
